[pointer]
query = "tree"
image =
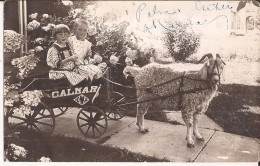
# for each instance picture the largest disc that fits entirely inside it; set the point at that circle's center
(242, 4)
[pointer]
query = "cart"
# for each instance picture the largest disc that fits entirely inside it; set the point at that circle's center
(96, 101)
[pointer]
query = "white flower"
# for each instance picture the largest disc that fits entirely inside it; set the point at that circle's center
(38, 40)
(38, 49)
(12, 40)
(113, 60)
(33, 16)
(176, 49)
(76, 12)
(48, 27)
(67, 3)
(91, 61)
(9, 102)
(45, 159)
(99, 43)
(102, 66)
(18, 151)
(14, 61)
(98, 58)
(33, 25)
(128, 61)
(45, 16)
(92, 30)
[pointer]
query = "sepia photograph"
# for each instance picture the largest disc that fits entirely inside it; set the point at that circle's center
(123, 82)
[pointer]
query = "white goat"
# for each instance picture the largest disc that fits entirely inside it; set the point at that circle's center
(204, 78)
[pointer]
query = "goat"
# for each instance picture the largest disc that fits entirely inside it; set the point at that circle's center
(205, 77)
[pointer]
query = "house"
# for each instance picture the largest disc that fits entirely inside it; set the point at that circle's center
(246, 21)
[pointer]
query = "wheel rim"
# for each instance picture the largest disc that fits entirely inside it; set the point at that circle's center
(60, 111)
(92, 122)
(41, 119)
(117, 112)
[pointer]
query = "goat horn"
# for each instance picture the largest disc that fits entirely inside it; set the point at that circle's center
(207, 55)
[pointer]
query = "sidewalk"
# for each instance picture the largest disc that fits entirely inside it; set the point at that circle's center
(168, 141)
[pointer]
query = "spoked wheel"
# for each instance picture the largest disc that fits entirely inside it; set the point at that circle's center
(116, 112)
(41, 119)
(60, 110)
(92, 122)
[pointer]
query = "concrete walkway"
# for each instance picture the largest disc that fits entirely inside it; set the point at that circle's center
(168, 141)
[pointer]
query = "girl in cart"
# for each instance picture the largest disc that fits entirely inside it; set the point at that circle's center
(61, 59)
(82, 49)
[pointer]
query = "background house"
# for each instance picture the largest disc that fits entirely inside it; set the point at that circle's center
(246, 20)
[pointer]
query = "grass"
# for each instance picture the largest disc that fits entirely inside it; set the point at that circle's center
(64, 149)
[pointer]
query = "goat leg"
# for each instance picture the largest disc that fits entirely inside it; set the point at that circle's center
(199, 137)
(141, 111)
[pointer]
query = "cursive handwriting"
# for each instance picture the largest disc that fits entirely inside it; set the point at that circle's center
(172, 25)
(154, 12)
(211, 7)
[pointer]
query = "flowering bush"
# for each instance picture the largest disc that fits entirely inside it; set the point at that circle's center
(25, 64)
(33, 25)
(8, 87)
(12, 40)
(29, 99)
(182, 43)
(14, 152)
(44, 159)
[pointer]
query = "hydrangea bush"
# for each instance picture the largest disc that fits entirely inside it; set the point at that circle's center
(12, 40)
(182, 43)
(14, 152)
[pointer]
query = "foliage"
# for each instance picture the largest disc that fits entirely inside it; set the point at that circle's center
(182, 43)
(12, 40)
(14, 152)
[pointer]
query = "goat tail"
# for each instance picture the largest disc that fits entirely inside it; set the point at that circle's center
(131, 70)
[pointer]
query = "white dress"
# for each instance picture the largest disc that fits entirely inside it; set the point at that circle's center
(64, 71)
(82, 49)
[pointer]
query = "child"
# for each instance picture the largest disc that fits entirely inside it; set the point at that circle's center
(82, 49)
(60, 59)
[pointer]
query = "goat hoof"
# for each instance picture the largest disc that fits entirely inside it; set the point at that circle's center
(189, 145)
(144, 131)
(200, 139)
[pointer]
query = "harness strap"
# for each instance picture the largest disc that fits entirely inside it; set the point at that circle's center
(162, 97)
(115, 83)
(181, 93)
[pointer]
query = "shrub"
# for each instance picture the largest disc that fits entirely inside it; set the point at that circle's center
(181, 43)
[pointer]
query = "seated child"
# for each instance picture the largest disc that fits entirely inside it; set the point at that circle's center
(60, 59)
(82, 49)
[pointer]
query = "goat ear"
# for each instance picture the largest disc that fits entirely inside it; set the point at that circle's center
(218, 56)
(223, 74)
(204, 72)
(209, 55)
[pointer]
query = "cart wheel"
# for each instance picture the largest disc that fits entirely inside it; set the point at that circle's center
(41, 119)
(92, 122)
(117, 112)
(60, 111)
